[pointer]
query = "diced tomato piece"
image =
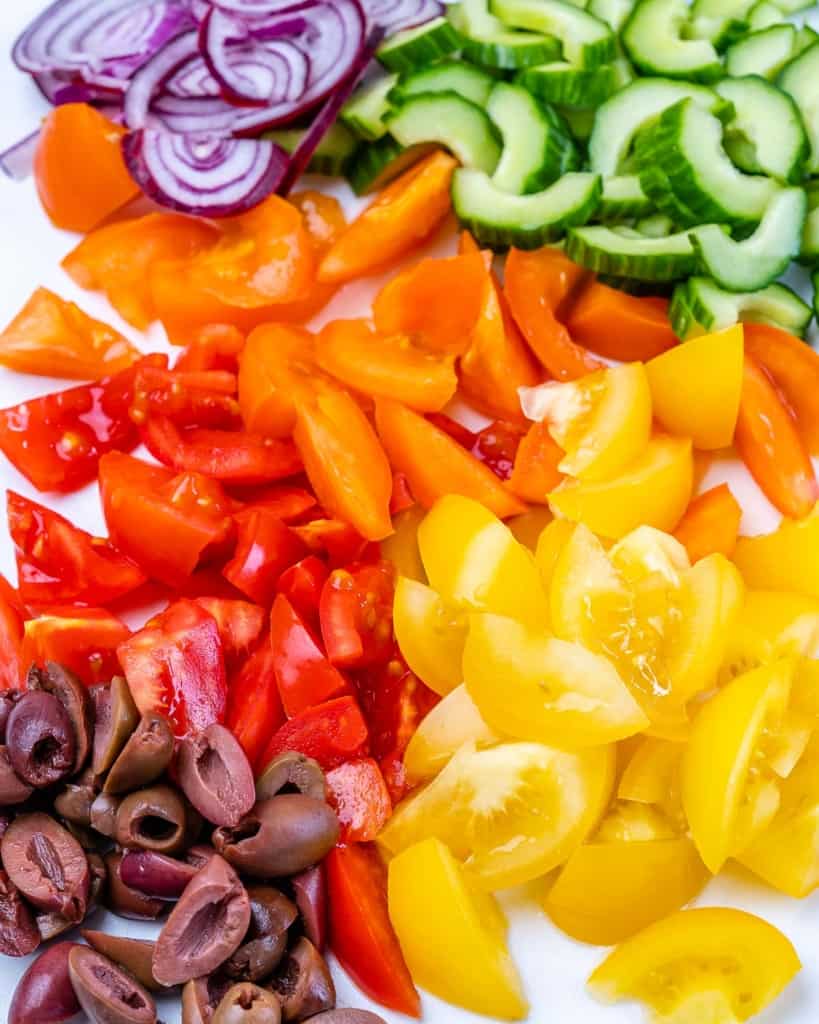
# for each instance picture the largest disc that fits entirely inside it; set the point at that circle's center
(213, 347)
(286, 501)
(330, 733)
(240, 623)
(301, 584)
(84, 640)
(254, 708)
(338, 540)
(360, 797)
(402, 498)
(203, 398)
(264, 549)
(356, 615)
(11, 596)
(11, 640)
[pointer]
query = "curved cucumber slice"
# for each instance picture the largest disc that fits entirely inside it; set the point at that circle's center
(766, 135)
(536, 148)
(763, 15)
(498, 219)
(613, 12)
(621, 252)
(762, 53)
(624, 114)
(655, 226)
(374, 164)
(486, 41)
(759, 259)
(568, 86)
(450, 120)
(449, 76)
(800, 78)
(331, 154)
(699, 306)
(418, 47)
(809, 252)
(587, 41)
(623, 197)
(366, 110)
(653, 38)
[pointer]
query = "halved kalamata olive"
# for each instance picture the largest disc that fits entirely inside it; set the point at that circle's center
(248, 1004)
(47, 865)
(117, 718)
(310, 893)
(205, 927)
(199, 855)
(127, 902)
(156, 875)
(303, 984)
(290, 772)
(40, 739)
(44, 994)
(103, 815)
(5, 821)
(13, 790)
(134, 955)
(51, 924)
(194, 823)
(201, 996)
(145, 756)
(108, 994)
(8, 698)
(74, 802)
(347, 1017)
(216, 776)
(280, 837)
(271, 915)
(19, 935)
(73, 696)
(152, 819)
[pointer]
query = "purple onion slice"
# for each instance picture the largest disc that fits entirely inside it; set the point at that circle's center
(396, 15)
(17, 161)
(149, 79)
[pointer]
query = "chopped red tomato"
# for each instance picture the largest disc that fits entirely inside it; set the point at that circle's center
(356, 615)
(11, 596)
(240, 623)
(213, 347)
(402, 498)
(254, 708)
(359, 795)
(58, 563)
(84, 640)
(264, 549)
(330, 733)
(495, 445)
(11, 639)
(175, 666)
(302, 583)
(288, 503)
(202, 398)
(338, 540)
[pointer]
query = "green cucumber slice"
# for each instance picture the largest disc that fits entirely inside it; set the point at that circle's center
(805, 37)
(486, 41)
(366, 110)
(579, 123)
(763, 15)
(448, 76)
(792, 6)
(766, 134)
(568, 86)
(499, 220)
(418, 47)
(622, 252)
(800, 78)
(450, 120)
(700, 306)
(332, 153)
(758, 260)
(613, 12)
(623, 197)
(587, 41)
(720, 32)
(374, 164)
(536, 148)
(653, 38)
(658, 225)
(762, 53)
(809, 251)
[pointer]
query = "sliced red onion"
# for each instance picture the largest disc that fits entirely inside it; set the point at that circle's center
(62, 88)
(253, 8)
(150, 78)
(205, 175)
(396, 15)
(192, 115)
(18, 160)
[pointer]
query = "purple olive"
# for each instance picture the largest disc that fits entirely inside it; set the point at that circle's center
(47, 865)
(199, 855)
(8, 698)
(206, 926)
(108, 994)
(271, 915)
(126, 902)
(19, 935)
(304, 985)
(44, 994)
(216, 776)
(13, 790)
(135, 955)
(291, 772)
(280, 837)
(201, 996)
(156, 875)
(103, 814)
(51, 924)
(152, 819)
(40, 739)
(347, 1017)
(144, 757)
(310, 894)
(73, 696)
(248, 1004)
(116, 719)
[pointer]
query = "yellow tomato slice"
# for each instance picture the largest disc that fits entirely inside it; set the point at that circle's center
(401, 547)
(473, 560)
(696, 387)
(430, 634)
(533, 687)
(450, 725)
(711, 965)
(787, 559)
(651, 771)
(607, 892)
(511, 812)
(631, 822)
(602, 421)
(653, 490)
(528, 527)
(553, 538)
(453, 936)
(646, 552)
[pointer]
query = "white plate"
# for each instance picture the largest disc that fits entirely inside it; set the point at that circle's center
(553, 967)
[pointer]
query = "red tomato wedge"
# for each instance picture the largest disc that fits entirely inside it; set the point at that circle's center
(254, 708)
(240, 623)
(265, 548)
(84, 640)
(361, 800)
(330, 733)
(302, 584)
(356, 615)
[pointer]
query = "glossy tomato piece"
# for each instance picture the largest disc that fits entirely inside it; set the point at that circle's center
(356, 615)
(358, 793)
(212, 347)
(254, 710)
(330, 733)
(265, 548)
(276, 365)
(240, 623)
(85, 640)
(188, 397)
(11, 639)
(710, 524)
(431, 634)
(288, 502)
(536, 473)
(302, 584)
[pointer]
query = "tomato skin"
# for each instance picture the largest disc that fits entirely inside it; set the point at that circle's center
(11, 640)
(254, 709)
(302, 584)
(340, 542)
(359, 794)
(84, 640)
(356, 615)
(265, 548)
(330, 733)
(535, 473)
(289, 503)
(276, 363)
(240, 623)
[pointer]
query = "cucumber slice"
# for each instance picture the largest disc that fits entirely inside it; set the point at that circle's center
(374, 164)
(763, 15)
(499, 220)
(766, 135)
(536, 149)
(762, 53)
(579, 123)
(759, 259)
(623, 197)
(419, 47)
(331, 154)
(485, 40)
(449, 76)
(568, 86)
(613, 12)
(809, 251)
(655, 184)
(792, 6)
(658, 225)
(366, 110)
(800, 78)
(686, 145)
(587, 41)
(653, 38)
(622, 252)
(720, 8)
(805, 37)
(720, 32)
(700, 306)
(450, 120)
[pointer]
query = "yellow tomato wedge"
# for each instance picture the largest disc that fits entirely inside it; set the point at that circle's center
(450, 725)
(787, 559)
(607, 892)
(630, 822)
(473, 560)
(652, 776)
(430, 634)
(453, 936)
(511, 812)
(602, 421)
(528, 527)
(553, 538)
(401, 547)
(645, 552)
(696, 387)
(653, 490)
(711, 965)
(533, 687)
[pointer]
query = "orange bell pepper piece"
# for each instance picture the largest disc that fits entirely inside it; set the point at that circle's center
(275, 366)
(770, 446)
(710, 526)
(794, 367)
(435, 464)
(390, 366)
(535, 473)
(343, 459)
(406, 212)
(620, 326)
(55, 338)
(79, 170)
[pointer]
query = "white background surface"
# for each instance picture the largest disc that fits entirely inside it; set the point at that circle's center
(553, 967)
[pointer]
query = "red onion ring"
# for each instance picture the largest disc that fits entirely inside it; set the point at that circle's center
(396, 15)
